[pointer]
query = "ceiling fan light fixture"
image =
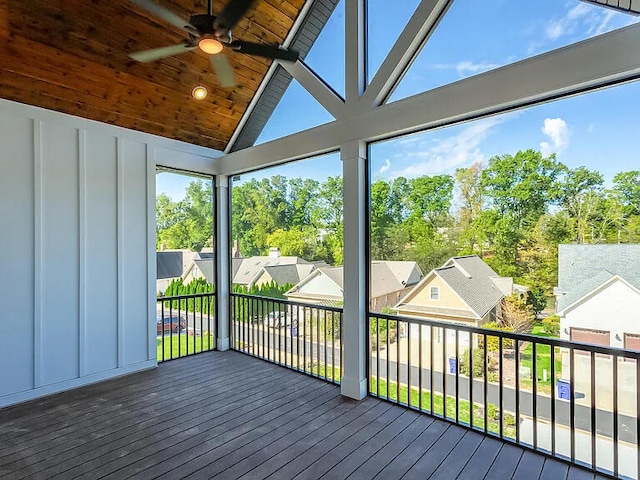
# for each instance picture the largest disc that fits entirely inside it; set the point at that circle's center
(210, 46)
(199, 92)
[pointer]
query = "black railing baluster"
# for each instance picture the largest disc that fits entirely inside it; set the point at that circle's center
(594, 429)
(431, 374)
(161, 327)
(501, 383)
(409, 376)
(471, 380)
(397, 361)
(553, 399)
(388, 361)
(420, 367)
(638, 416)
(324, 325)
(485, 367)
(378, 355)
(457, 397)
(534, 393)
(170, 330)
(614, 358)
(444, 372)
(572, 402)
(517, 392)
(317, 315)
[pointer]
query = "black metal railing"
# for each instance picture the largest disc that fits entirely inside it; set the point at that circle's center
(303, 337)
(185, 325)
(572, 401)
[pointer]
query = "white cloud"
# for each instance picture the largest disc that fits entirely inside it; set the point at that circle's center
(385, 167)
(585, 18)
(465, 68)
(558, 132)
(446, 154)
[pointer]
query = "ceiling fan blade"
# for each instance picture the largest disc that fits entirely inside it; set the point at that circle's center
(162, 52)
(222, 67)
(159, 11)
(261, 50)
(230, 15)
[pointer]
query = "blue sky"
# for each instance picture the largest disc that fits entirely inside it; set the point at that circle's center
(599, 130)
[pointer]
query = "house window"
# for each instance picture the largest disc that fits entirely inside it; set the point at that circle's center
(434, 293)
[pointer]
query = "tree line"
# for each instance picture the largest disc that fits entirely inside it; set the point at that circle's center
(513, 212)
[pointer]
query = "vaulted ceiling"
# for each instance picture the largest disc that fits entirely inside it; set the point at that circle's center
(72, 56)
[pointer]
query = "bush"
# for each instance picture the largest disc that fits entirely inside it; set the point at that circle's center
(551, 325)
(478, 363)
(493, 342)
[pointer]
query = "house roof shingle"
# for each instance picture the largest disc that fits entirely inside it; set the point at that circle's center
(168, 265)
(582, 268)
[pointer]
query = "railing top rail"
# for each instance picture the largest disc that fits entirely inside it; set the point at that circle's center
(185, 297)
(523, 337)
(287, 302)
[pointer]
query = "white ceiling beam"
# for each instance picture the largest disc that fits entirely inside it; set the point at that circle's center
(297, 24)
(415, 34)
(355, 22)
(318, 88)
(590, 64)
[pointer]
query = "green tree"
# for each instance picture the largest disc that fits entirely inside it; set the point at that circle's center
(627, 186)
(523, 185)
(470, 193)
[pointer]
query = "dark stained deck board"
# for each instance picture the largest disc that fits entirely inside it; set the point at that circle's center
(482, 459)
(529, 467)
(301, 445)
(553, 469)
(505, 464)
(375, 464)
(372, 446)
(69, 433)
(227, 415)
(210, 428)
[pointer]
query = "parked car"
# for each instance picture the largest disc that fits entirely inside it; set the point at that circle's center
(170, 324)
(277, 319)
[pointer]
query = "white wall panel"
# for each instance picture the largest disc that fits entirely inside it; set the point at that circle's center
(77, 249)
(16, 254)
(60, 254)
(100, 244)
(133, 254)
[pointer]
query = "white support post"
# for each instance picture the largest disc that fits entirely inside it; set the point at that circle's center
(415, 34)
(355, 23)
(354, 323)
(318, 88)
(222, 256)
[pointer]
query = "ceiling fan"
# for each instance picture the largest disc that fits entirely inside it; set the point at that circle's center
(212, 35)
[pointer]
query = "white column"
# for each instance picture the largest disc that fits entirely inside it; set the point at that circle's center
(355, 62)
(354, 375)
(222, 255)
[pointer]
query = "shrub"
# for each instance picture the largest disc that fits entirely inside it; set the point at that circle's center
(478, 363)
(551, 325)
(493, 342)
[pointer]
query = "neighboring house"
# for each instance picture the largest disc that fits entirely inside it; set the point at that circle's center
(256, 270)
(464, 290)
(598, 294)
(389, 282)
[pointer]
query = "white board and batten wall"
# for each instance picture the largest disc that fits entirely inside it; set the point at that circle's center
(77, 248)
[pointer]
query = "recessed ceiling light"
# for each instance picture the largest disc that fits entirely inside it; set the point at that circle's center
(210, 45)
(199, 92)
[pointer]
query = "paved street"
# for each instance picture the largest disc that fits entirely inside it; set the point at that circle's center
(279, 338)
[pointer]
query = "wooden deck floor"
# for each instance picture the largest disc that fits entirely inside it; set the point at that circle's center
(227, 415)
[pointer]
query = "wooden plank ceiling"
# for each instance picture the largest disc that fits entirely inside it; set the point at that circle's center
(72, 56)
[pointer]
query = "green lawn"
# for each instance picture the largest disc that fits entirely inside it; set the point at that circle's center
(543, 361)
(182, 345)
(493, 412)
